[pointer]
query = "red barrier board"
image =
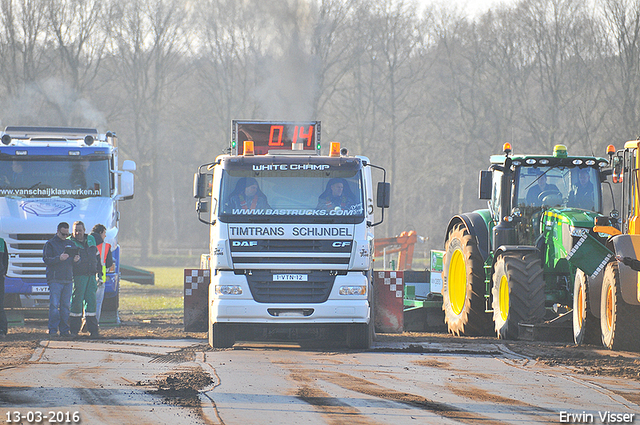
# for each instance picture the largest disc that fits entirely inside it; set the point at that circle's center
(389, 301)
(196, 300)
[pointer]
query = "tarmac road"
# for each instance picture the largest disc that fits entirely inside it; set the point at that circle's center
(432, 382)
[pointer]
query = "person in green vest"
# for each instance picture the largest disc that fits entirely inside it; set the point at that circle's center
(4, 264)
(83, 296)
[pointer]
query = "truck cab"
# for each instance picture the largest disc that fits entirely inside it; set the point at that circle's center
(49, 175)
(291, 236)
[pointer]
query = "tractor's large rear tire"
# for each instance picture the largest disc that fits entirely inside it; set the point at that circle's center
(518, 292)
(619, 321)
(586, 326)
(463, 285)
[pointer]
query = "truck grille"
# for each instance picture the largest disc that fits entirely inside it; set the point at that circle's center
(25, 255)
(288, 253)
(315, 290)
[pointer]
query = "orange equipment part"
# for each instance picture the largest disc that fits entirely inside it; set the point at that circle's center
(403, 245)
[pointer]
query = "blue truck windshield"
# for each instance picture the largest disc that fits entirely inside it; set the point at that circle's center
(53, 177)
(571, 187)
(314, 194)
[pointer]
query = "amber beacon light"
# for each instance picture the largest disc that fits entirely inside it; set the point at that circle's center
(247, 148)
(335, 149)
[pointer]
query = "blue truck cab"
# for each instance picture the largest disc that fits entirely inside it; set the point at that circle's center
(49, 175)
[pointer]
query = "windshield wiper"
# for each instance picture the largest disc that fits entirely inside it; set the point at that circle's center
(540, 176)
(258, 219)
(326, 220)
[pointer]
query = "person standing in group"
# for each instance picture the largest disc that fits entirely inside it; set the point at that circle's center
(84, 282)
(105, 261)
(4, 265)
(58, 255)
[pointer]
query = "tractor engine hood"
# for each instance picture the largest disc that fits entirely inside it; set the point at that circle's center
(576, 218)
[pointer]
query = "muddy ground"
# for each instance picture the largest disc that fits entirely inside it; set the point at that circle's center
(181, 387)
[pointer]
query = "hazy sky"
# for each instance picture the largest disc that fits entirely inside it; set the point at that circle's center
(472, 7)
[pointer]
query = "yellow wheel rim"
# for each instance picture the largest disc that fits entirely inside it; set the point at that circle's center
(504, 298)
(609, 311)
(457, 282)
(580, 306)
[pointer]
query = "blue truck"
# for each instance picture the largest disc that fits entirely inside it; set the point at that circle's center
(49, 175)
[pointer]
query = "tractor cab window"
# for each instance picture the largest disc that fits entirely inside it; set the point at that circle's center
(583, 193)
(541, 187)
(554, 186)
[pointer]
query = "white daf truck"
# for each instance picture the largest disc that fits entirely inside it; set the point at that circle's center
(49, 175)
(291, 236)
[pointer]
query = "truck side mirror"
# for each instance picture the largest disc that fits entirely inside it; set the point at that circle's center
(128, 165)
(202, 206)
(604, 173)
(199, 186)
(383, 195)
(486, 181)
(618, 172)
(126, 185)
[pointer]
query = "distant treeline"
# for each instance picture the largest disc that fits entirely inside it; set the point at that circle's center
(428, 94)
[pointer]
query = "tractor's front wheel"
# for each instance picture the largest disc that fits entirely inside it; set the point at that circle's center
(518, 292)
(463, 286)
(586, 329)
(619, 321)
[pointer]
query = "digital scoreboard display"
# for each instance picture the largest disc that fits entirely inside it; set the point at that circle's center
(275, 135)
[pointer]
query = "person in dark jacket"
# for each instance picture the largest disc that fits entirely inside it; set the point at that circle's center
(58, 255)
(248, 196)
(337, 194)
(84, 282)
(581, 194)
(4, 264)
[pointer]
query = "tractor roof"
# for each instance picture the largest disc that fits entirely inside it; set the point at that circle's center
(559, 157)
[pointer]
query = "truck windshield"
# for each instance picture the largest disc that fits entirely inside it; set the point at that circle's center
(571, 187)
(321, 195)
(48, 178)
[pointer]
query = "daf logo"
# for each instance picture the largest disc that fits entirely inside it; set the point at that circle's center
(244, 243)
(341, 244)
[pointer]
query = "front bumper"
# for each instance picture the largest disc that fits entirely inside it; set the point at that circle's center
(338, 309)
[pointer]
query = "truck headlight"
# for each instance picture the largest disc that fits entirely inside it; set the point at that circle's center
(353, 290)
(228, 289)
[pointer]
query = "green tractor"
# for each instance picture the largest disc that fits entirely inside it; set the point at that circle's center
(508, 264)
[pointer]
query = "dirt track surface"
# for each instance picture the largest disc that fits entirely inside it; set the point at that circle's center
(592, 360)
(182, 374)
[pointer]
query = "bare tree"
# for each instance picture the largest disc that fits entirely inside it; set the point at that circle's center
(151, 42)
(227, 60)
(337, 42)
(22, 38)
(622, 26)
(81, 37)
(558, 34)
(397, 41)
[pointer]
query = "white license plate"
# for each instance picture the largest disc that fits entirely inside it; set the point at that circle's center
(290, 277)
(39, 289)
